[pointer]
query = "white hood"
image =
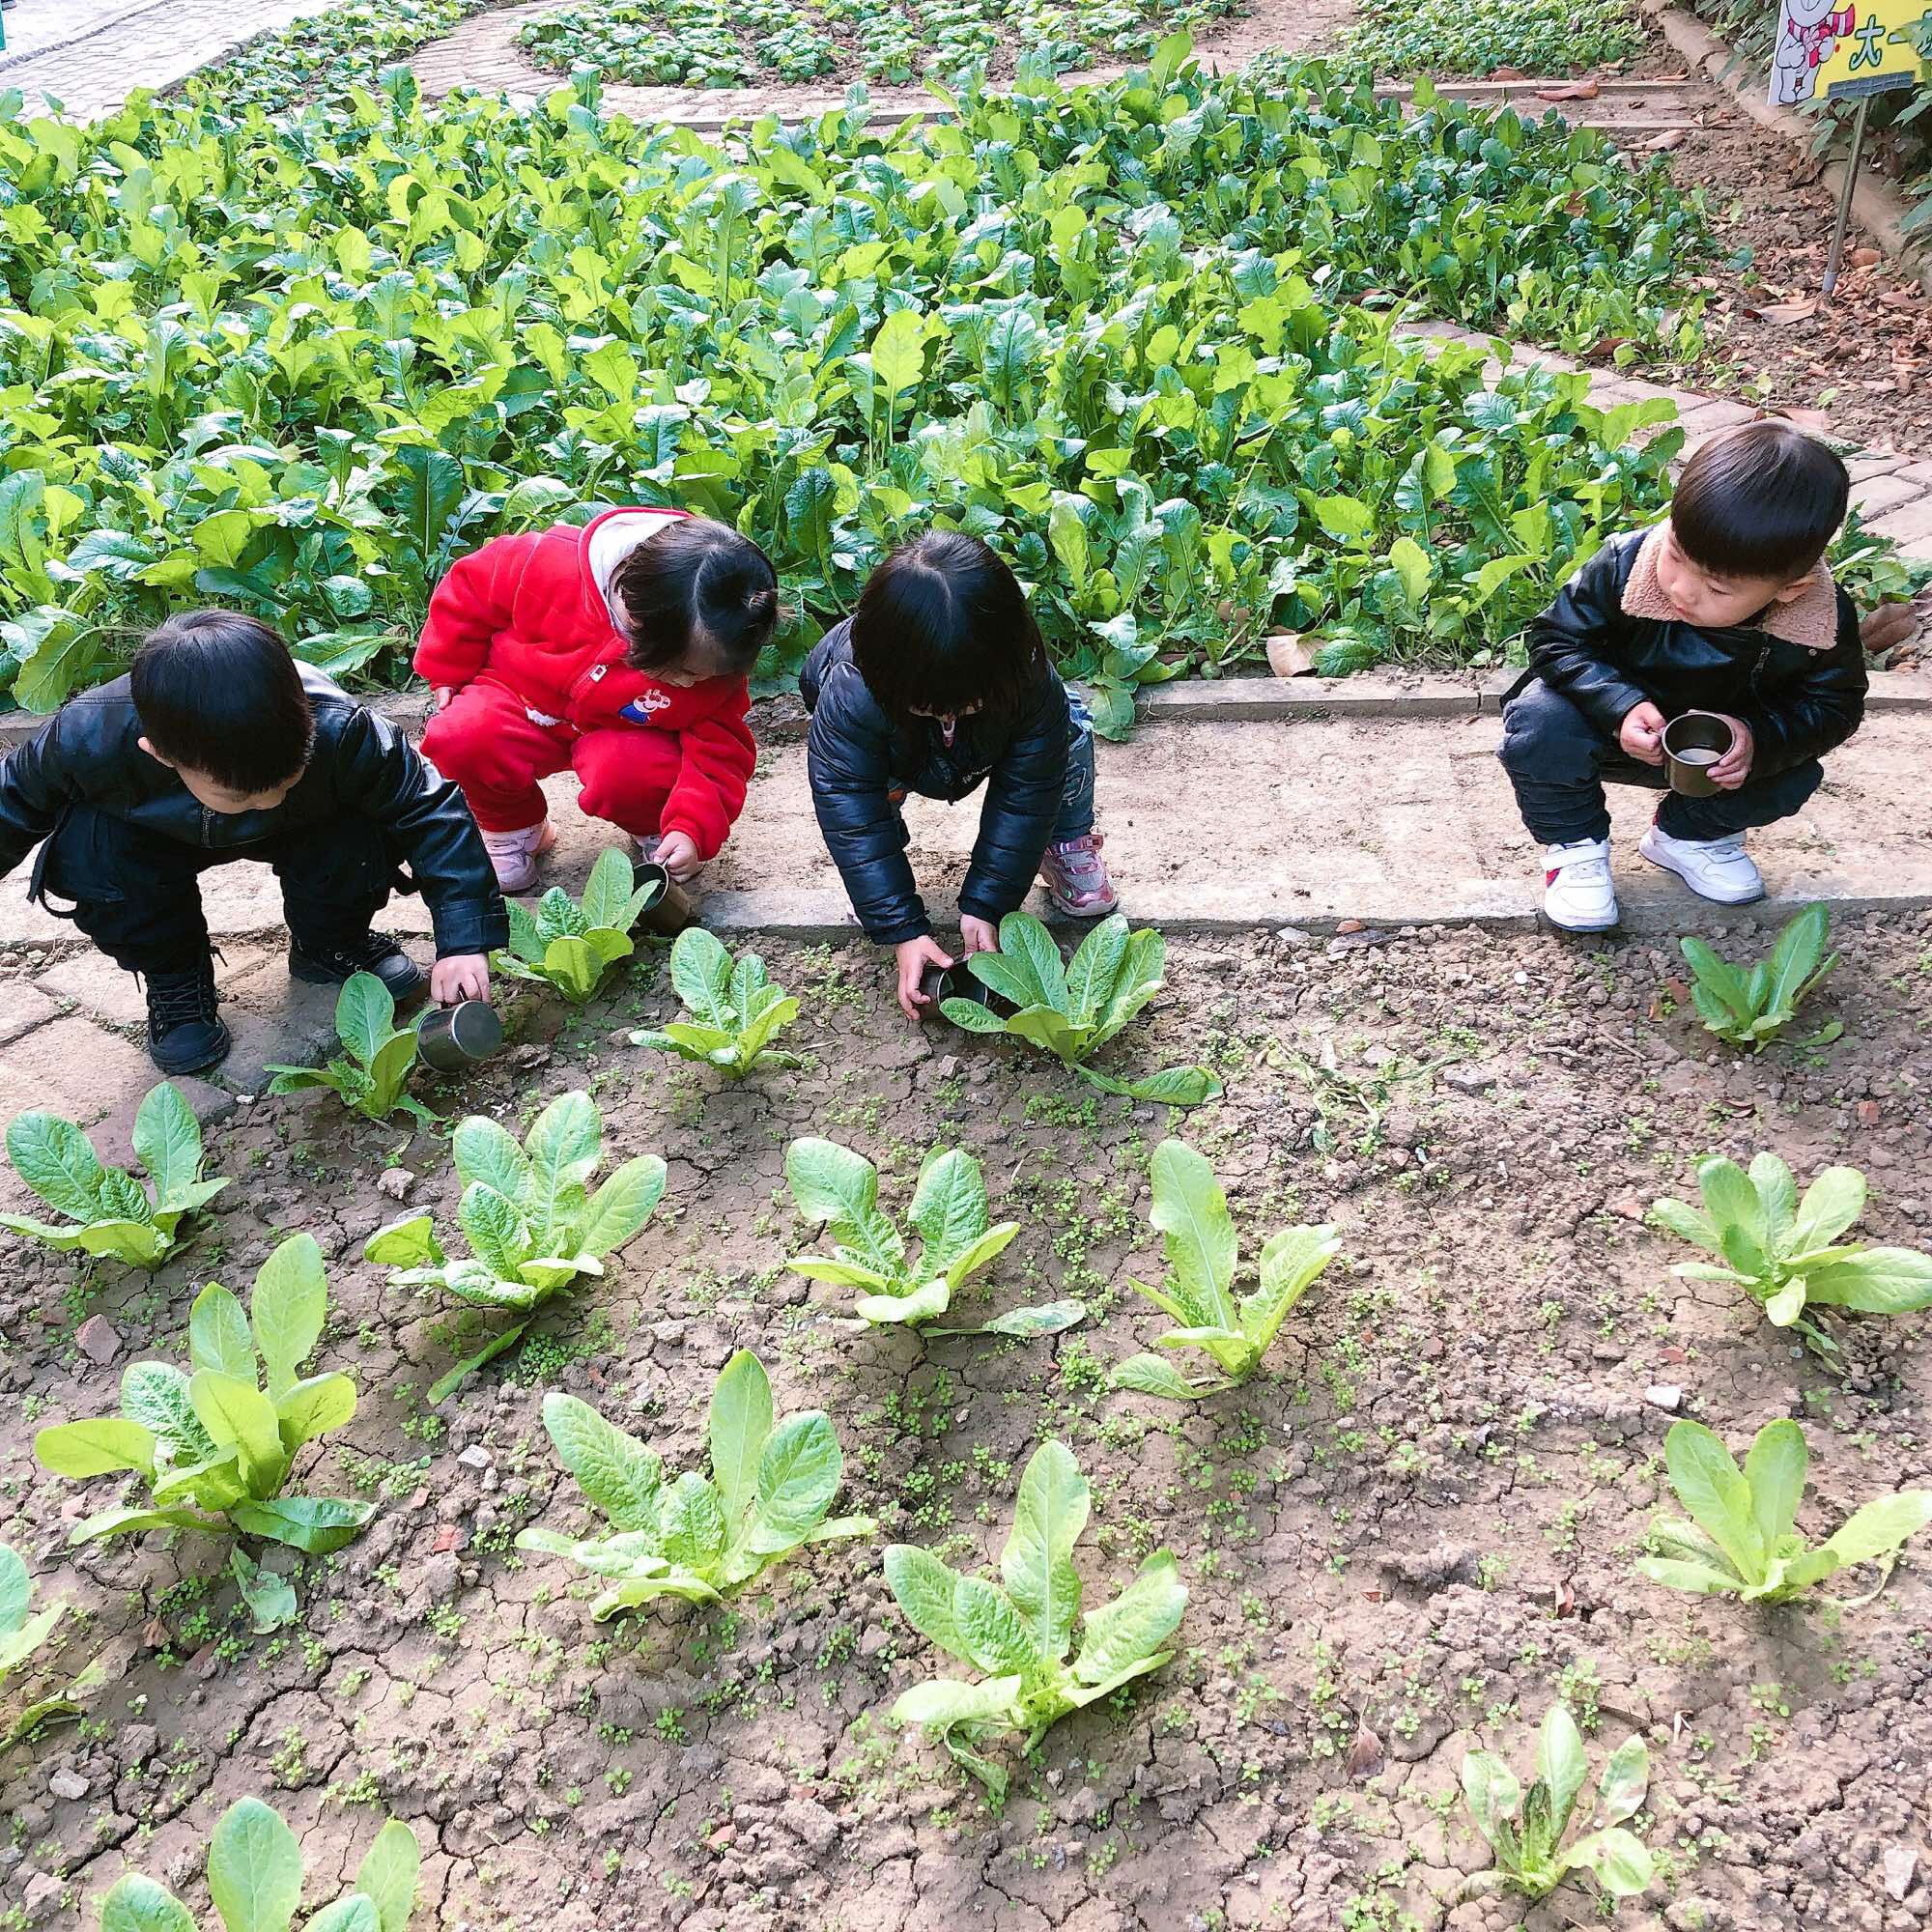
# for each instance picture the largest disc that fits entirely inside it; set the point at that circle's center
(613, 540)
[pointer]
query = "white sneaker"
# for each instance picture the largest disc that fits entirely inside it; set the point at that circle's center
(1577, 891)
(514, 855)
(1713, 868)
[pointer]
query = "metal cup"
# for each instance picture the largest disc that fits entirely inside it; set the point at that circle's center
(673, 909)
(1691, 745)
(454, 1038)
(952, 982)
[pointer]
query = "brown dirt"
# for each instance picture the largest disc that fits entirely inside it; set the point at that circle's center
(1419, 1523)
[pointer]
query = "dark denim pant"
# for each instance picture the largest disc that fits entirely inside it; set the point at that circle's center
(137, 894)
(1076, 802)
(1559, 761)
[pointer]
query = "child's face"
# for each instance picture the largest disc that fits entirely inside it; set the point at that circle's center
(218, 796)
(1716, 602)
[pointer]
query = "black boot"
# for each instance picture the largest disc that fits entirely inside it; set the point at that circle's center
(329, 965)
(186, 1034)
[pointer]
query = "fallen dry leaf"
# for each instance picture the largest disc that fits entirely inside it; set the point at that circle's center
(1671, 137)
(1864, 258)
(1288, 656)
(1807, 419)
(1365, 1755)
(1788, 311)
(1569, 90)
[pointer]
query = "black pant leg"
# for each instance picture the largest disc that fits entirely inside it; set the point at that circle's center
(335, 877)
(1557, 761)
(1756, 802)
(136, 895)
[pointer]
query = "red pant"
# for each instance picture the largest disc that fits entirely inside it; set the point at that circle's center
(486, 742)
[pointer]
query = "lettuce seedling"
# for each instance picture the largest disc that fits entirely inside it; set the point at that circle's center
(215, 1447)
(1198, 1234)
(1752, 1007)
(255, 1878)
(23, 1630)
(1527, 1842)
(571, 944)
(1022, 1632)
(735, 1011)
(533, 1228)
(1741, 1541)
(770, 1487)
(110, 1212)
(835, 1186)
(1784, 1252)
(370, 1077)
(1074, 1009)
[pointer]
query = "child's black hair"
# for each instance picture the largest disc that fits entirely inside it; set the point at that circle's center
(943, 626)
(1760, 501)
(696, 596)
(218, 693)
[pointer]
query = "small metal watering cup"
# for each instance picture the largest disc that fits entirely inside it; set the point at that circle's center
(952, 982)
(673, 910)
(454, 1038)
(1691, 745)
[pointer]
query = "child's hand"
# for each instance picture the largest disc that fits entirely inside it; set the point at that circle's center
(678, 854)
(1734, 767)
(915, 955)
(463, 976)
(1641, 733)
(440, 696)
(977, 935)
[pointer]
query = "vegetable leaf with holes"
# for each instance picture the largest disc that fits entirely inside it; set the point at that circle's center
(1741, 1541)
(215, 1447)
(1020, 1630)
(771, 1487)
(107, 1211)
(1198, 1233)
(735, 1011)
(533, 1227)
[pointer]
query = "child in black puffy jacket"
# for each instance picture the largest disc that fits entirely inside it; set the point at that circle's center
(937, 683)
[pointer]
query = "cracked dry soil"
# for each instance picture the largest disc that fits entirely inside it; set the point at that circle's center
(1406, 1538)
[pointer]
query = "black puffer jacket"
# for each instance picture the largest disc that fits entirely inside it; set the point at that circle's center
(856, 758)
(89, 754)
(1800, 703)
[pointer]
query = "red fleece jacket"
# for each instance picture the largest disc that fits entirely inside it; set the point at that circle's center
(526, 612)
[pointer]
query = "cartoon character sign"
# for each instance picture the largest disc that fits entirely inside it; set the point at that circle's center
(1809, 33)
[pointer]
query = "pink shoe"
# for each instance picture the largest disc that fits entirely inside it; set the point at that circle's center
(1075, 877)
(515, 854)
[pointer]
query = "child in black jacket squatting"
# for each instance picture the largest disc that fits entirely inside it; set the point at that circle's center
(1727, 607)
(937, 683)
(219, 746)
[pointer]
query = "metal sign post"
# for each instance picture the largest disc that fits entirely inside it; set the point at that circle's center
(1838, 252)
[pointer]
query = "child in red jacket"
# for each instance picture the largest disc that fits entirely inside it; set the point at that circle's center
(620, 649)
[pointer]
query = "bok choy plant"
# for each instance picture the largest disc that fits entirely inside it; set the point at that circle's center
(1020, 1630)
(1750, 1007)
(1198, 1234)
(370, 1076)
(771, 1487)
(570, 944)
(1073, 1010)
(735, 1011)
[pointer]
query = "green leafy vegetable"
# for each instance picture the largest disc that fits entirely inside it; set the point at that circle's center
(735, 1011)
(571, 944)
(1786, 1253)
(215, 1448)
(255, 1878)
(839, 1189)
(371, 1078)
(1198, 1234)
(1741, 1541)
(771, 1483)
(1476, 36)
(105, 1210)
(23, 1630)
(535, 1229)
(1752, 1009)
(1022, 1632)
(1073, 1009)
(1528, 1841)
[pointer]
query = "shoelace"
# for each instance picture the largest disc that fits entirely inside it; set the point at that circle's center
(180, 1001)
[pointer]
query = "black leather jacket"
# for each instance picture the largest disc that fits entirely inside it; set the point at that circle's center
(1800, 703)
(856, 758)
(88, 754)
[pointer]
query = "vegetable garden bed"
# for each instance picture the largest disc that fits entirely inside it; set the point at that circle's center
(1411, 1532)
